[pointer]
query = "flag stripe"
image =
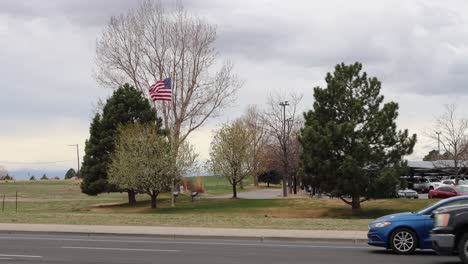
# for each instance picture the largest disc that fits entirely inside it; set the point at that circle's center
(161, 90)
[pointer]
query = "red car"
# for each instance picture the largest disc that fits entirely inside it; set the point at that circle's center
(448, 191)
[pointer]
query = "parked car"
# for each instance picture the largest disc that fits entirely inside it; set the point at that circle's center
(453, 177)
(447, 191)
(408, 193)
(404, 232)
(452, 182)
(450, 232)
(434, 183)
(421, 184)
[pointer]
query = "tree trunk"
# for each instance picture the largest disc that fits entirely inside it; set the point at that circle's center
(234, 190)
(153, 201)
(255, 178)
(268, 184)
(131, 197)
(356, 202)
(295, 184)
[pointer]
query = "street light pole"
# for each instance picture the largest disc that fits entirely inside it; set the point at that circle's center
(77, 157)
(285, 162)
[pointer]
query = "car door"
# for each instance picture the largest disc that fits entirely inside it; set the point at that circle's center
(428, 222)
(450, 192)
(445, 192)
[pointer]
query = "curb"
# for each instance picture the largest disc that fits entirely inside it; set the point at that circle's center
(261, 239)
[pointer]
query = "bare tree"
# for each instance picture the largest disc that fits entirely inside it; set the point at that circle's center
(152, 43)
(281, 122)
(294, 150)
(453, 132)
(231, 153)
(254, 123)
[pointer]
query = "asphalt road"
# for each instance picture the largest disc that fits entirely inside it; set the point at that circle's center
(40, 248)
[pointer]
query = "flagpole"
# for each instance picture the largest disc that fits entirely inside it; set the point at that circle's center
(171, 141)
(172, 178)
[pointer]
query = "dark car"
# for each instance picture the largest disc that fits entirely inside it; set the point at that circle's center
(404, 232)
(450, 232)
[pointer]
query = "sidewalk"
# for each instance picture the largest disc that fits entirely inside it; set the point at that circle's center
(192, 232)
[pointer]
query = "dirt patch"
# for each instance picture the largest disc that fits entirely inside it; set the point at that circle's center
(120, 207)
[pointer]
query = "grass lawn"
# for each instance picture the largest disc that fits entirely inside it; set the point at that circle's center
(215, 185)
(60, 202)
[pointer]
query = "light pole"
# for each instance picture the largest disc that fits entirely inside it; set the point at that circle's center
(438, 142)
(292, 178)
(285, 162)
(78, 158)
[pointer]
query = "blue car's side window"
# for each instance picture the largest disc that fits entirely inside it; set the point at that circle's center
(458, 202)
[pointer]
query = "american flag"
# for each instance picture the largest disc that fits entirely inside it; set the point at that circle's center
(161, 90)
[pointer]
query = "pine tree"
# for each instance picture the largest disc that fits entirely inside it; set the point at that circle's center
(350, 138)
(70, 174)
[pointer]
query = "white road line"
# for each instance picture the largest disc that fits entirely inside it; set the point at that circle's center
(191, 243)
(124, 249)
(5, 258)
(19, 256)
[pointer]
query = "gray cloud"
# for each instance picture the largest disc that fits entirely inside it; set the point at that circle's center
(80, 12)
(416, 48)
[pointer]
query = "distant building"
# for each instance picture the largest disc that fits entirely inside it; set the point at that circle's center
(435, 168)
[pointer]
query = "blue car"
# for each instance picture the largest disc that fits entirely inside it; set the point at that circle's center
(404, 232)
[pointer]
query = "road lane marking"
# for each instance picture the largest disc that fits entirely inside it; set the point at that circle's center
(5, 258)
(124, 249)
(191, 243)
(19, 256)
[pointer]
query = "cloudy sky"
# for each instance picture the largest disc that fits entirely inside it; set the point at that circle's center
(418, 49)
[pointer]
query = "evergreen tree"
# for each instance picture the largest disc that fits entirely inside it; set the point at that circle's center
(125, 106)
(350, 137)
(272, 176)
(434, 155)
(32, 178)
(44, 177)
(70, 174)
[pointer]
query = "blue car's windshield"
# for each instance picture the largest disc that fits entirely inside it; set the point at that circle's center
(430, 208)
(446, 202)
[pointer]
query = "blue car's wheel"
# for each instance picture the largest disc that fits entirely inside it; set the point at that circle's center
(403, 241)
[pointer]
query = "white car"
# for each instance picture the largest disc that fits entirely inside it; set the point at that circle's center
(408, 193)
(435, 185)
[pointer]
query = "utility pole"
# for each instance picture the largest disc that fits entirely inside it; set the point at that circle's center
(285, 161)
(78, 158)
(438, 142)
